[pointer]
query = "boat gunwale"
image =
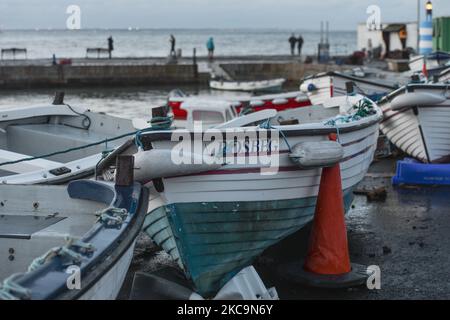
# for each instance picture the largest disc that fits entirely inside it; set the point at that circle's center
(96, 266)
(349, 77)
(413, 86)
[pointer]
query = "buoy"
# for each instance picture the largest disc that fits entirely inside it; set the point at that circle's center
(327, 264)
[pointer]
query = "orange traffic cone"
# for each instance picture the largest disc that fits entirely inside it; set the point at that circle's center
(328, 247)
(327, 264)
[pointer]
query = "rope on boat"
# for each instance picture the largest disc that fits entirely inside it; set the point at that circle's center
(157, 126)
(71, 253)
(157, 123)
(364, 108)
(10, 290)
(113, 217)
(266, 125)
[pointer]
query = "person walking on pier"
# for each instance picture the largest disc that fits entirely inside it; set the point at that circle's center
(293, 41)
(210, 46)
(300, 44)
(110, 46)
(172, 45)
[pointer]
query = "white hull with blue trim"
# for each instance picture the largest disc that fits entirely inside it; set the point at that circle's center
(215, 223)
(68, 242)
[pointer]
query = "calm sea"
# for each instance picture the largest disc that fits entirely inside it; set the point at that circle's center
(137, 102)
(155, 42)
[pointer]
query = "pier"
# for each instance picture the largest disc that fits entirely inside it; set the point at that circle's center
(42, 73)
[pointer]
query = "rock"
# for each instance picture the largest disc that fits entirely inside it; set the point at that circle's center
(374, 194)
(386, 250)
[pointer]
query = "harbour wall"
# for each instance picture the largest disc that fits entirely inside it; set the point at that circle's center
(293, 72)
(31, 76)
(131, 72)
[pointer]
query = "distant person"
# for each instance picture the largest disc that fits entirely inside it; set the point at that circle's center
(300, 44)
(110, 46)
(292, 41)
(172, 45)
(210, 46)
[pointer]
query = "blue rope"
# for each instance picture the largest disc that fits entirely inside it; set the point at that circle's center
(266, 125)
(160, 125)
(157, 123)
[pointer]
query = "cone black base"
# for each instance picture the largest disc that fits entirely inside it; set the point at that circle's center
(295, 273)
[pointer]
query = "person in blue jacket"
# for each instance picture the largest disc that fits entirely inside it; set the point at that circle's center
(210, 47)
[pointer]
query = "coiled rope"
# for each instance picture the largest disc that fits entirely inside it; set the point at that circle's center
(10, 290)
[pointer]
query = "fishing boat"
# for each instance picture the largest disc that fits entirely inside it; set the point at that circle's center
(56, 143)
(274, 85)
(279, 102)
(322, 86)
(217, 221)
(68, 242)
(444, 76)
(433, 63)
(417, 121)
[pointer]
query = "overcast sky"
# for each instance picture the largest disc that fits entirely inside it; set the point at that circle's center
(285, 14)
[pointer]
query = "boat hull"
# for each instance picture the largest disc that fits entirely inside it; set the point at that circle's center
(214, 224)
(422, 132)
(216, 240)
(333, 84)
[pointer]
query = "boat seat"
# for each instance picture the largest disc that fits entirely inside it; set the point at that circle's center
(22, 227)
(38, 139)
(23, 167)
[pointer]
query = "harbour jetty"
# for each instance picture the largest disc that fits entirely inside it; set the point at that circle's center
(20, 74)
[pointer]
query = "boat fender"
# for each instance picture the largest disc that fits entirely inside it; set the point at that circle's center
(278, 102)
(256, 103)
(154, 164)
(301, 99)
(308, 87)
(309, 155)
(414, 99)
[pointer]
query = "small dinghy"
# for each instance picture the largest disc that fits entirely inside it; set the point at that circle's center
(274, 85)
(322, 86)
(178, 100)
(216, 222)
(417, 121)
(68, 242)
(56, 143)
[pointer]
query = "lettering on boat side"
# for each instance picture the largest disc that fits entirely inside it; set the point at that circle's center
(374, 280)
(73, 282)
(260, 148)
(225, 309)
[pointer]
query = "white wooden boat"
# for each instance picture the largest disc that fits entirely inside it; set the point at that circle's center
(59, 142)
(434, 62)
(444, 76)
(274, 85)
(216, 221)
(417, 121)
(56, 246)
(322, 86)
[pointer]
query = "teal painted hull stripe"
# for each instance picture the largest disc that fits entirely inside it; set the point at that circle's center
(217, 240)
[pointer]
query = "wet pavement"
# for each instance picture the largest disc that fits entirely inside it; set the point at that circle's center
(407, 236)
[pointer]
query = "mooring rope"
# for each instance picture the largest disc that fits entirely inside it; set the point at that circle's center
(10, 290)
(158, 125)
